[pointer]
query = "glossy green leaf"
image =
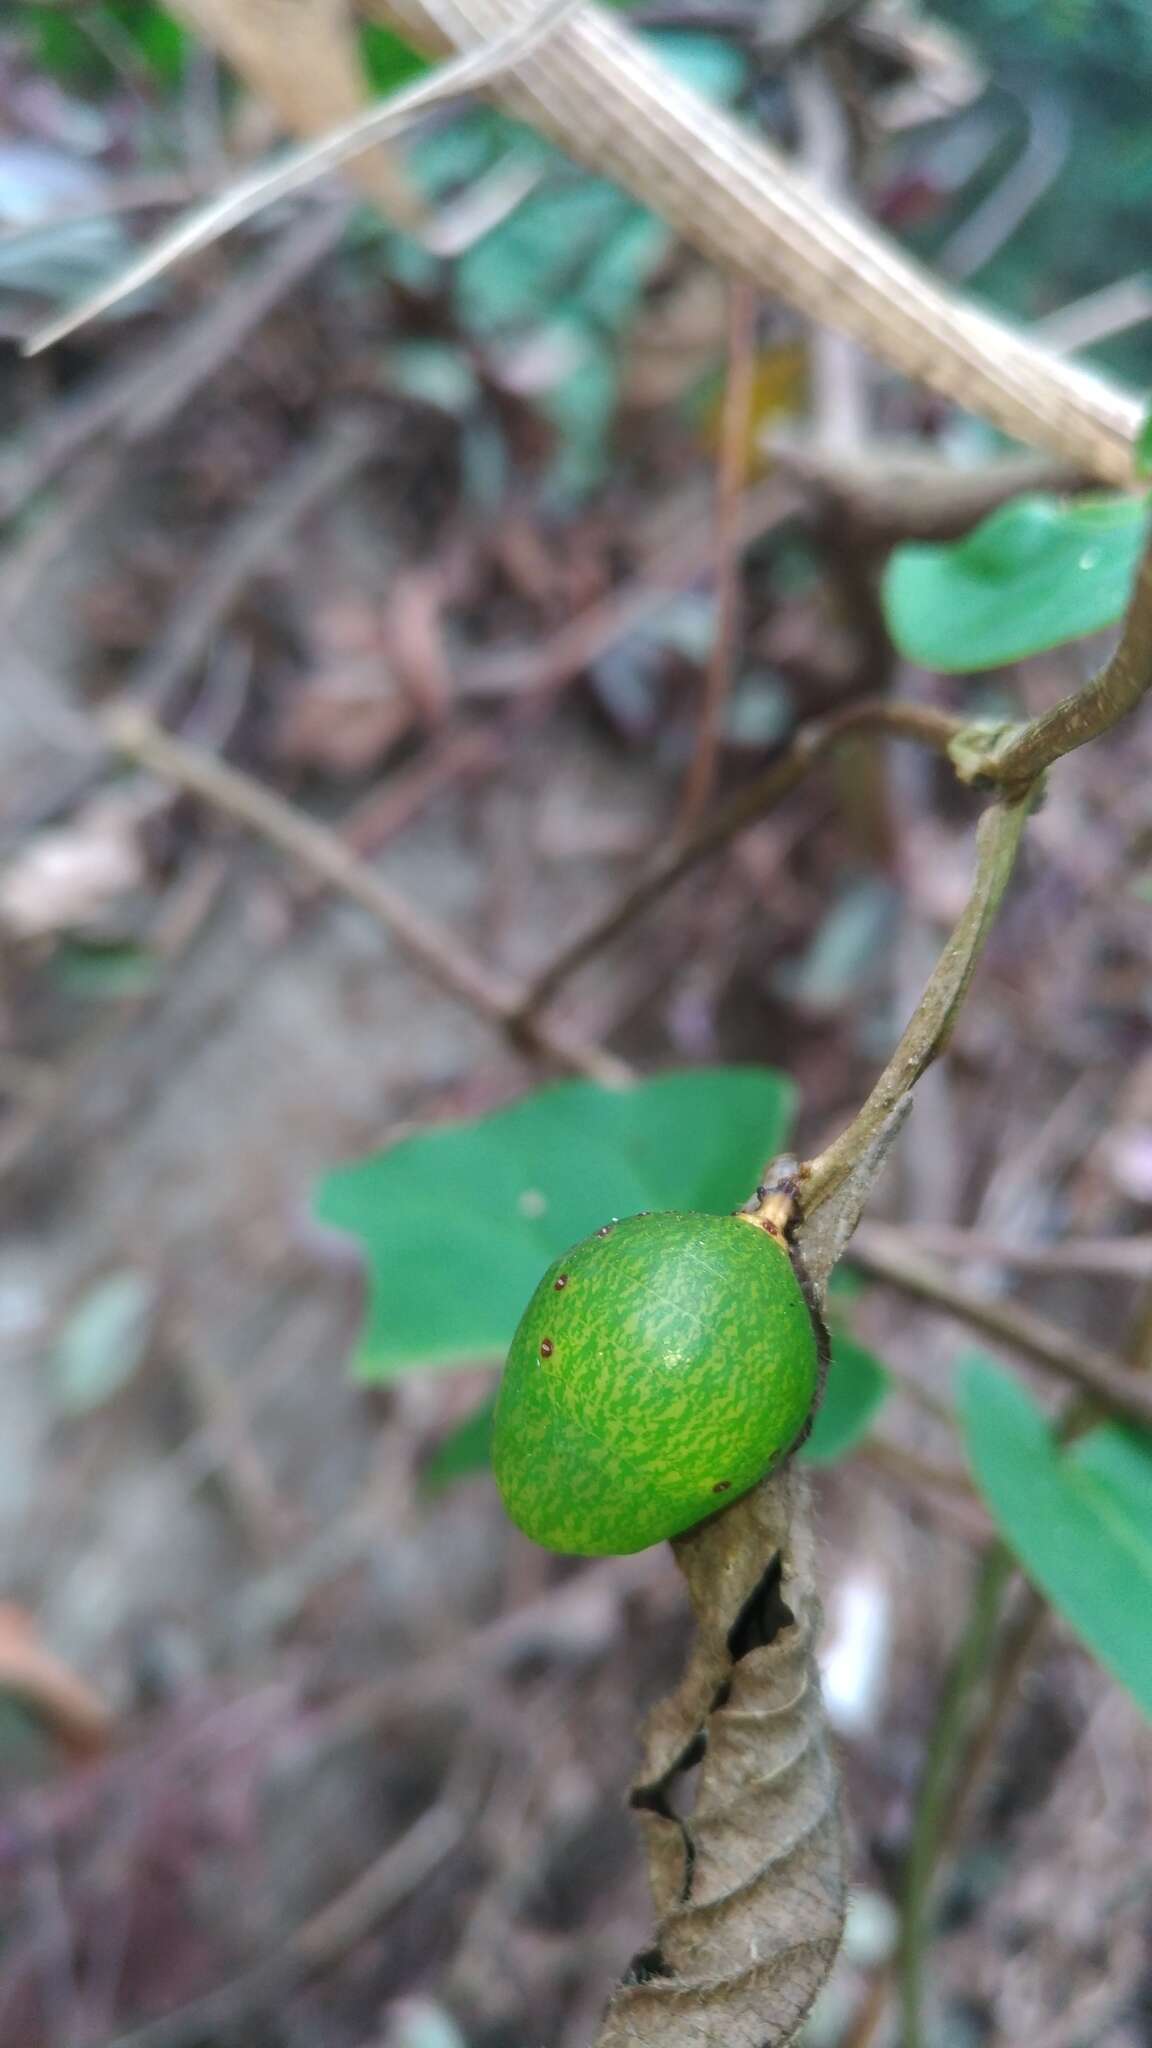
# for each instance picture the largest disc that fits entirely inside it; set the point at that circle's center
(1079, 1519)
(856, 1388)
(458, 1224)
(1040, 571)
(466, 1450)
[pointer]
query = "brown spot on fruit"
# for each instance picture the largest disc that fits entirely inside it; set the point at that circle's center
(605, 1230)
(547, 1347)
(722, 1486)
(560, 1283)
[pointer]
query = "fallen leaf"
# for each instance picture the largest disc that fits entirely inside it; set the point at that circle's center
(412, 632)
(103, 1342)
(68, 880)
(70, 1708)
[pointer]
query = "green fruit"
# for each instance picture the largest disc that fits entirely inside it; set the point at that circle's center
(660, 1369)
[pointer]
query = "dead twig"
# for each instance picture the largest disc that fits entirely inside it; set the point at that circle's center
(885, 1254)
(337, 1928)
(464, 753)
(1128, 1257)
(811, 745)
(130, 730)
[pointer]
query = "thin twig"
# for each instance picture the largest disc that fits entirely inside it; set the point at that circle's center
(736, 429)
(1128, 1257)
(130, 730)
(810, 746)
(345, 1921)
(302, 166)
(886, 1255)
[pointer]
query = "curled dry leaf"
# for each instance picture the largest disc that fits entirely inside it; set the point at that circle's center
(749, 1886)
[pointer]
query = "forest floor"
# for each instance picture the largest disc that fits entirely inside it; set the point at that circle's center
(343, 1759)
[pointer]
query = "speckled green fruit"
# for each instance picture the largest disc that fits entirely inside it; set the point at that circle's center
(660, 1369)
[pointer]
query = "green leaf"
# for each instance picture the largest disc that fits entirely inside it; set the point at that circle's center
(70, 50)
(467, 1449)
(1040, 571)
(104, 971)
(388, 60)
(459, 1223)
(161, 40)
(1079, 1520)
(103, 1342)
(857, 1386)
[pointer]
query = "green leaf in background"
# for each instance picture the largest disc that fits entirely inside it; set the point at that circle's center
(466, 1450)
(74, 49)
(388, 60)
(104, 971)
(1079, 1520)
(1039, 571)
(103, 1342)
(458, 1223)
(161, 40)
(856, 1388)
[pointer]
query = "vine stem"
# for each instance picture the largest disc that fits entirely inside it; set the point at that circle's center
(1087, 713)
(964, 1741)
(997, 843)
(813, 743)
(935, 1796)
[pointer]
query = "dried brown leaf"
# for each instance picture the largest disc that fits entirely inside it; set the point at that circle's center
(749, 1887)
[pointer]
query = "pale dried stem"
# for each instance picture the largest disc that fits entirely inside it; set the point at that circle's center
(130, 730)
(603, 96)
